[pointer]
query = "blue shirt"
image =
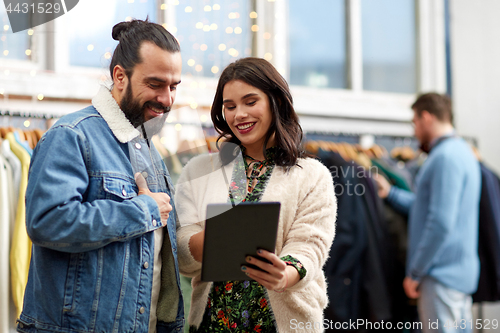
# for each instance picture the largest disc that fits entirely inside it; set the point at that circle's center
(444, 216)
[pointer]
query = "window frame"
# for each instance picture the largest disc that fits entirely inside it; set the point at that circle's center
(353, 103)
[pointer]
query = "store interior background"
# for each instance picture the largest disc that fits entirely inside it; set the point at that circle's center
(354, 66)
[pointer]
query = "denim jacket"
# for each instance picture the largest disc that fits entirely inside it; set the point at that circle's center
(93, 242)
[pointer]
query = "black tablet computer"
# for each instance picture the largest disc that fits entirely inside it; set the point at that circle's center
(232, 233)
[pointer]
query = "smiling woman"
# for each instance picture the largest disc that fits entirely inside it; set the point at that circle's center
(247, 112)
(253, 109)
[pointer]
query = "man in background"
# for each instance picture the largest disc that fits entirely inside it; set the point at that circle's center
(98, 199)
(442, 262)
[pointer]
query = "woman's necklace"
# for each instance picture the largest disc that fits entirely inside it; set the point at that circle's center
(255, 170)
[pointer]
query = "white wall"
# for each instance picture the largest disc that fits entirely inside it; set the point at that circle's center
(475, 51)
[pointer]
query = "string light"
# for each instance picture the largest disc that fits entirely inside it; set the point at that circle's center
(178, 127)
(163, 140)
(2, 91)
(268, 56)
(163, 6)
(207, 8)
(229, 30)
(188, 9)
(40, 97)
(90, 47)
(173, 30)
(191, 62)
(198, 68)
(128, 18)
(253, 15)
(27, 123)
(203, 47)
(213, 26)
(130, 1)
(267, 35)
(222, 47)
(206, 28)
(107, 55)
(193, 105)
(204, 118)
(215, 69)
(233, 52)
(6, 52)
(216, 7)
(28, 52)
(6, 27)
(255, 28)
(199, 25)
(238, 30)
(30, 32)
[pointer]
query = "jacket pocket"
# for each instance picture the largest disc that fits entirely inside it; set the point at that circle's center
(119, 188)
(73, 282)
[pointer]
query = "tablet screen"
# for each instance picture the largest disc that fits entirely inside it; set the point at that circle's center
(232, 233)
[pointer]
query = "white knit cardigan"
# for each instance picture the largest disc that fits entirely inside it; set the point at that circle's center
(306, 231)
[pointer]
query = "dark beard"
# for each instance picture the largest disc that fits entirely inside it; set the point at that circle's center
(135, 113)
(132, 109)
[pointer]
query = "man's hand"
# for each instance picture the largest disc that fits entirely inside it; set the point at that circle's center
(162, 199)
(383, 185)
(411, 287)
(196, 245)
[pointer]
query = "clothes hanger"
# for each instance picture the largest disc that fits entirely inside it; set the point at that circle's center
(312, 147)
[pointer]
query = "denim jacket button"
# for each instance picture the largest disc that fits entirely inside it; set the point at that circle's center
(124, 192)
(145, 174)
(142, 310)
(154, 223)
(138, 145)
(146, 265)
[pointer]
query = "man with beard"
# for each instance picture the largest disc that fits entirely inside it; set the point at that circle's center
(99, 197)
(443, 216)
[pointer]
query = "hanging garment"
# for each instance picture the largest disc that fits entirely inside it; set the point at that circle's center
(357, 283)
(489, 238)
(20, 253)
(5, 211)
(15, 163)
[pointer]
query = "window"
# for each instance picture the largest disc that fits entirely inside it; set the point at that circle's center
(14, 45)
(317, 43)
(212, 34)
(389, 45)
(90, 24)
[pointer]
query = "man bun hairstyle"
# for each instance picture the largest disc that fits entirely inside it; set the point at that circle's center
(130, 36)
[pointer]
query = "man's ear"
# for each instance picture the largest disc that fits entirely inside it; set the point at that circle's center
(427, 117)
(119, 77)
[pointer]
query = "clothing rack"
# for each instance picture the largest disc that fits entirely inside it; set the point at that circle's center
(26, 120)
(26, 114)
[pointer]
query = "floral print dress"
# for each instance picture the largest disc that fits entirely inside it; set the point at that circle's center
(243, 306)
